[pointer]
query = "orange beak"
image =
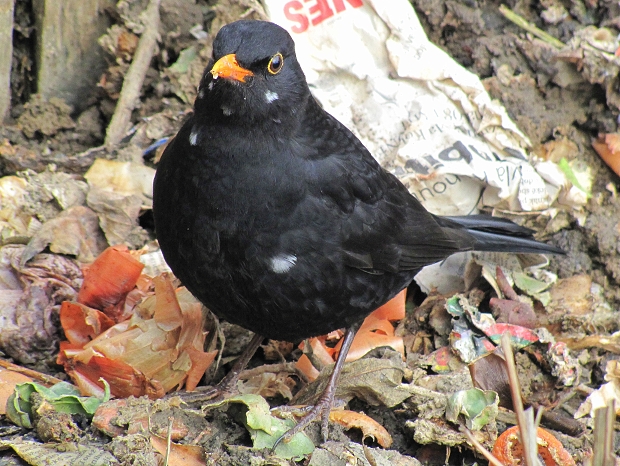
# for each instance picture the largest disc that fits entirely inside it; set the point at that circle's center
(228, 68)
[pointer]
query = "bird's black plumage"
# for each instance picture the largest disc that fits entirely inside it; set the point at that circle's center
(276, 216)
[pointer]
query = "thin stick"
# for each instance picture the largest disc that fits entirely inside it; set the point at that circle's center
(529, 27)
(483, 451)
(130, 93)
(275, 368)
(46, 379)
(526, 426)
(168, 441)
(603, 436)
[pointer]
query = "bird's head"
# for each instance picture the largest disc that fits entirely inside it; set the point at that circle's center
(254, 76)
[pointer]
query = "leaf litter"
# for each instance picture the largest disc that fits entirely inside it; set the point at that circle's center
(423, 385)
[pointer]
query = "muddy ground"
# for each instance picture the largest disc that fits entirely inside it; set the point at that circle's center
(520, 71)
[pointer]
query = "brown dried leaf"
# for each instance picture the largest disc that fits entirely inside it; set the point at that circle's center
(124, 178)
(118, 214)
(74, 232)
(180, 455)
(30, 332)
(607, 146)
(160, 348)
(268, 385)
(377, 381)
(489, 373)
(605, 394)
(276, 350)
(368, 426)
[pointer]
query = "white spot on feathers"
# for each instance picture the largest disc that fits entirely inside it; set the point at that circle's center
(270, 96)
(282, 263)
(193, 137)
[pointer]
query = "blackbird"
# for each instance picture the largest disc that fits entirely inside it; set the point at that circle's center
(276, 217)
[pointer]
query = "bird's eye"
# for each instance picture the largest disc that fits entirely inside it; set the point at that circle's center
(275, 64)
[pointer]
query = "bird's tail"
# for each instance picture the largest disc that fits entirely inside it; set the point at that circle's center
(498, 234)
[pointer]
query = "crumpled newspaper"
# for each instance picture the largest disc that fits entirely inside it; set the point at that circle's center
(421, 114)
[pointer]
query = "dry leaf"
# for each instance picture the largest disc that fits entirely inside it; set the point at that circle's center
(276, 350)
(74, 231)
(489, 373)
(607, 146)
(180, 455)
(124, 178)
(268, 385)
(605, 394)
(304, 365)
(376, 381)
(160, 348)
(66, 453)
(8, 380)
(118, 215)
(29, 308)
(368, 426)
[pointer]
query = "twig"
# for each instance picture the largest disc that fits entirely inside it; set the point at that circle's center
(46, 379)
(168, 441)
(134, 78)
(265, 368)
(603, 436)
(483, 451)
(529, 27)
(525, 419)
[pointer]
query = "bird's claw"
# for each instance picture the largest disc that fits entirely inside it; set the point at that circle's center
(321, 409)
(202, 394)
(226, 386)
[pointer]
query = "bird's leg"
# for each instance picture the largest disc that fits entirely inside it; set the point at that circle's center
(229, 382)
(323, 406)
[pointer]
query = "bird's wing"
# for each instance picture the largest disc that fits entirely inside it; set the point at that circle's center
(382, 226)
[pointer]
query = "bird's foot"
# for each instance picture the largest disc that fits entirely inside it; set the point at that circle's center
(310, 413)
(211, 394)
(324, 405)
(228, 385)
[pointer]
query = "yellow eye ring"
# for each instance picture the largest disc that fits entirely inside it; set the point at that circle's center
(275, 63)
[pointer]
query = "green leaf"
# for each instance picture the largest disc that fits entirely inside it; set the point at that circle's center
(578, 173)
(533, 287)
(64, 398)
(265, 428)
(479, 407)
(18, 411)
(528, 284)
